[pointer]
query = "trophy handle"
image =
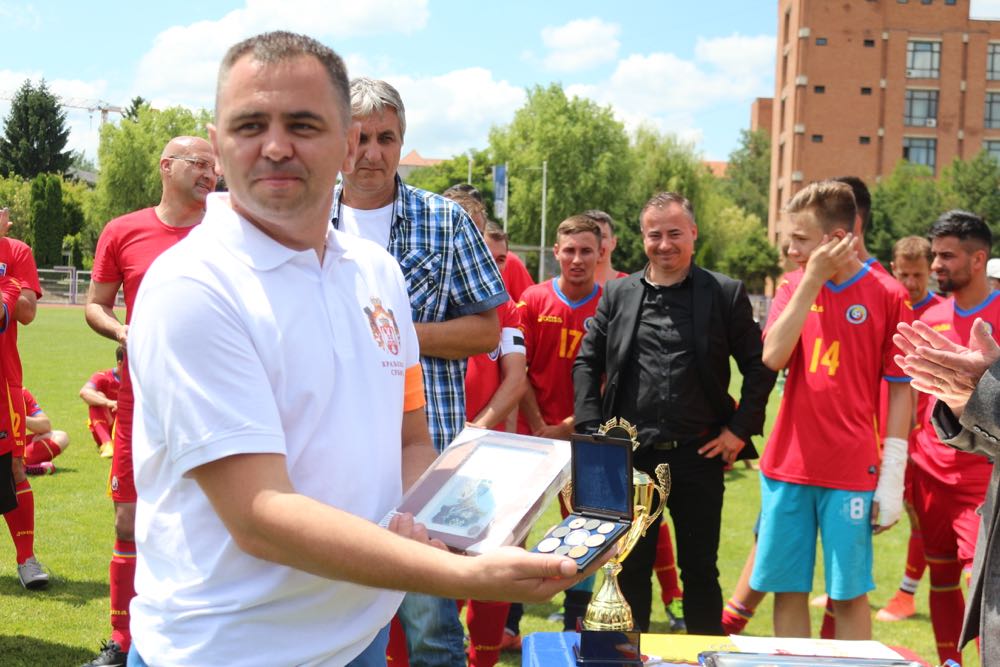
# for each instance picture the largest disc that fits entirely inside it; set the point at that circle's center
(663, 476)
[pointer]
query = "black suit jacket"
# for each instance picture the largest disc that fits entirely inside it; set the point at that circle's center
(724, 327)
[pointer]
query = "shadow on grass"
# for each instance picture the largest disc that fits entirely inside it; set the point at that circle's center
(21, 651)
(59, 590)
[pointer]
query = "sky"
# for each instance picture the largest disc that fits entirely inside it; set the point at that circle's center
(688, 68)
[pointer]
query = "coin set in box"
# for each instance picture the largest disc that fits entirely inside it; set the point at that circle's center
(601, 500)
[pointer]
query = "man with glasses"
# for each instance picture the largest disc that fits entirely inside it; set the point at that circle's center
(125, 250)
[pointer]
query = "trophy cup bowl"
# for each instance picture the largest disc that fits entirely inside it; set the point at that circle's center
(608, 610)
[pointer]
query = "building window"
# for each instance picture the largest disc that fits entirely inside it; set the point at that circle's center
(869, 43)
(925, 2)
(949, 2)
(992, 110)
(923, 60)
(864, 141)
(993, 148)
(920, 108)
(821, 41)
(819, 90)
(993, 62)
(865, 90)
(920, 150)
(817, 138)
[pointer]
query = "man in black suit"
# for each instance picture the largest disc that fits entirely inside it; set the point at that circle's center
(657, 354)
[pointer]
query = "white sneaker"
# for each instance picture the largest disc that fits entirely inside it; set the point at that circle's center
(32, 575)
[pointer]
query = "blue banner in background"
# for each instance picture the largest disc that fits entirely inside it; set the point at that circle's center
(500, 191)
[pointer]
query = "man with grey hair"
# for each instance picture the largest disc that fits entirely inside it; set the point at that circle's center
(275, 423)
(454, 288)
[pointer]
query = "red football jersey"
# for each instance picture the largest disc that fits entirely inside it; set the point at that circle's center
(515, 277)
(10, 291)
(553, 329)
(107, 382)
(482, 378)
(31, 406)
(826, 432)
(926, 450)
(17, 262)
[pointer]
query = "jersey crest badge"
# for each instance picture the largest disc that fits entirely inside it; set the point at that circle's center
(3, 269)
(587, 322)
(857, 314)
(385, 331)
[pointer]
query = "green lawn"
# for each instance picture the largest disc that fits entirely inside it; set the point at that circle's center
(64, 624)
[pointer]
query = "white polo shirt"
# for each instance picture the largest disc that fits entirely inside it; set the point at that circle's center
(241, 345)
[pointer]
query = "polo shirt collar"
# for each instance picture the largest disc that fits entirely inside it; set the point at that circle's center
(249, 244)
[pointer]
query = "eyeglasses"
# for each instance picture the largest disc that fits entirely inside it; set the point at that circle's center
(203, 165)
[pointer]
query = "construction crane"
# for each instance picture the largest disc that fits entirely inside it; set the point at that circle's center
(78, 103)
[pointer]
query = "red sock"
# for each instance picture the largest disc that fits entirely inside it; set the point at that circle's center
(43, 449)
(486, 622)
(100, 424)
(666, 566)
(915, 561)
(829, 628)
(122, 574)
(947, 606)
(396, 652)
(735, 617)
(21, 522)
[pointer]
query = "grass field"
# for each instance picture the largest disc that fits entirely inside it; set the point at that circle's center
(63, 625)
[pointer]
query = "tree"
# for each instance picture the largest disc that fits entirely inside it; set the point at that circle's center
(748, 176)
(47, 219)
(905, 203)
(587, 154)
(129, 154)
(750, 257)
(442, 176)
(35, 134)
(132, 110)
(973, 185)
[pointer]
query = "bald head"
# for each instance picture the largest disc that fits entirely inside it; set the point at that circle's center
(187, 171)
(184, 145)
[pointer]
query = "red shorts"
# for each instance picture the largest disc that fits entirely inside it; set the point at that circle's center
(122, 481)
(908, 483)
(16, 414)
(949, 517)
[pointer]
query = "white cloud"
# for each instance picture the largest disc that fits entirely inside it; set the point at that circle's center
(450, 113)
(181, 66)
(20, 16)
(580, 44)
(984, 9)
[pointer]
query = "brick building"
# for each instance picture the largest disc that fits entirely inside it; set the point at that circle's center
(863, 84)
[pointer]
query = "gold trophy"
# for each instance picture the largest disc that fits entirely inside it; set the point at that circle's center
(608, 610)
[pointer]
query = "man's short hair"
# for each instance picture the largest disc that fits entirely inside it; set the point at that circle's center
(830, 202)
(912, 248)
(472, 206)
(119, 354)
(464, 189)
(665, 199)
(601, 217)
(862, 199)
(578, 224)
(372, 96)
(495, 232)
(965, 226)
(281, 46)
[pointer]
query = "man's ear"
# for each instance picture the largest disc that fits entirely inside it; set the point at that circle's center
(353, 139)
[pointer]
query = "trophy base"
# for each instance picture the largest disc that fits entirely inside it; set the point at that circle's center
(608, 649)
(608, 611)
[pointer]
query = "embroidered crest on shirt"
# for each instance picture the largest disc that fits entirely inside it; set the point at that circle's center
(385, 331)
(857, 314)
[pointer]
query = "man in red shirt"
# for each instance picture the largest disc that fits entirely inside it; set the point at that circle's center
(949, 485)
(126, 248)
(17, 262)
(10, 292)
(609, 242)
(831, 325)
(100, 393)
(46, 443)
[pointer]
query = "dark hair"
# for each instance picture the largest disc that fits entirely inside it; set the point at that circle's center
(119, 354)
(964, 225)
(601, 217)
(831, 202)
(281, 46)
(495, 232)
(466, 189)
(578, 224)
(664, 199)
(862, 199)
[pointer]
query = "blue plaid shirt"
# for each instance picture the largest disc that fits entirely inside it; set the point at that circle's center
(449, 273)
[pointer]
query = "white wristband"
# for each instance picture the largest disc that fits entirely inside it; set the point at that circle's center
(889, 492)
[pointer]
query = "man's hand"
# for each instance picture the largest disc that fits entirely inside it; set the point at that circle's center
(405, 526)
(112, 405)
(727, 443)
(944, 369)
(560, 431)
(831, 256)
(511, 573)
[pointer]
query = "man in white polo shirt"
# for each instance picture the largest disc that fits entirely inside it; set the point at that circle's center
(280, 404)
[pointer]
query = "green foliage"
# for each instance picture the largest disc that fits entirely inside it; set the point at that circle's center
(905, 203)
(47, 219)
(587, 154)
(132, 110)
(35, 134)
(746, 253)
(973, 185)
(748, 176)
(79, 160)
(129, 154)
(15, 194)
(440, 177)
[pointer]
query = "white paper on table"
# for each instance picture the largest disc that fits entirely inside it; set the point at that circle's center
(834, 648)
